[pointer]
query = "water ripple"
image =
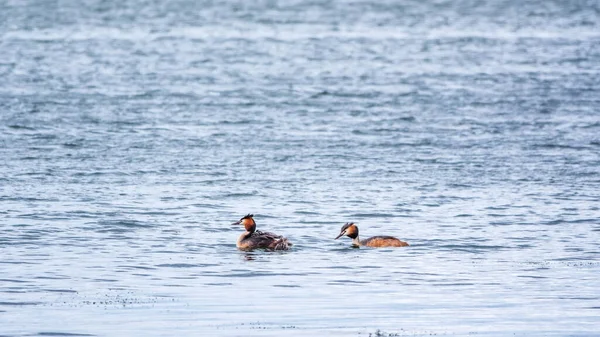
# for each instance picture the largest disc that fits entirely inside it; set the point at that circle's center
(134, 133)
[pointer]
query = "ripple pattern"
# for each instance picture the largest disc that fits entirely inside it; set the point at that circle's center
(133, 133)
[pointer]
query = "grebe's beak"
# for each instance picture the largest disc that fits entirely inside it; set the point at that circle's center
(339, 236)
(237, 222)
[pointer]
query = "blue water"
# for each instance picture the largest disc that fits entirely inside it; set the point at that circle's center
(133, 134)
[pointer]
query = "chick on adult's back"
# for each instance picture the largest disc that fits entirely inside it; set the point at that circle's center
(351, 231)
(253, 239)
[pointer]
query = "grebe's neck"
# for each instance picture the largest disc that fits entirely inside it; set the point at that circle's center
(356, 241)
(247, 233)
(243, 237)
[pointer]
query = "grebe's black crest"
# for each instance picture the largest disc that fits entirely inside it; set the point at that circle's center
(348, 224)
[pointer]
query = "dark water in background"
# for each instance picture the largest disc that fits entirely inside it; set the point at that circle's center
(132, 134)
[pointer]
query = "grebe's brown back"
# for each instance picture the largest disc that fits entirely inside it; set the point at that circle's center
(253, 239)
(351, 230)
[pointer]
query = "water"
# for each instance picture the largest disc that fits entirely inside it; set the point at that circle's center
(132, 135)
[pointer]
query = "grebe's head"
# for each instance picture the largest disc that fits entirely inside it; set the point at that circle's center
(248, 222)
(349, 229)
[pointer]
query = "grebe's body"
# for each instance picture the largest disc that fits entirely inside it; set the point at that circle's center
(350, 230)
(253, 239)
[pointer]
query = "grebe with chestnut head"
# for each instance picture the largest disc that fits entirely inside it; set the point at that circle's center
(253, 239)
(351, 231)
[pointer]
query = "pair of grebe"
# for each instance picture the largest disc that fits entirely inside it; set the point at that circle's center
(253, 239)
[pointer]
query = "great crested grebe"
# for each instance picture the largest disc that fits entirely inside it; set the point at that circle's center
(350, 230)
(253, 239)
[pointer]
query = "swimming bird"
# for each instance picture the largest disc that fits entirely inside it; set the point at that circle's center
(351, 230)
(253, 239)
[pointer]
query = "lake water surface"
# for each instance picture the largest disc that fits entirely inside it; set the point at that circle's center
(133, 134)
